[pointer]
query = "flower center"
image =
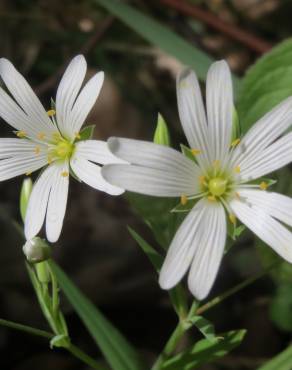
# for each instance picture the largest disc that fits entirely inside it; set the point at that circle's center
(217, 186)
(62, 149)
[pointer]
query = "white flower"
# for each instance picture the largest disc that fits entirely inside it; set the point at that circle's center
(50, 139)
(219, 179)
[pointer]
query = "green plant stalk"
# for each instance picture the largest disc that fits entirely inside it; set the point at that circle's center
(75, 351)
(234, 290)
(170, 345)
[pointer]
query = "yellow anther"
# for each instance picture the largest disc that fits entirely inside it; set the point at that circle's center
(56, 135)
(37, 150)
(77, 135)
(237, 169)
(237, 196)
(195, 151)
(50, 160)
(41, 135)
(183, 200)
(183, 84)
(21, 134)
(263, 185)
(51, 112)
(211, 198)
(235, 142)
(65, 174)
(202, 180)
(28, 173)
(216, 163)
(232, 218)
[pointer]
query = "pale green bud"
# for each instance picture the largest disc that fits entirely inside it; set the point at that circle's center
(24, 196)
(36, 250)
(161, 134)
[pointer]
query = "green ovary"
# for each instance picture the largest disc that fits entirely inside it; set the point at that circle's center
(217, 186)
(62, 150)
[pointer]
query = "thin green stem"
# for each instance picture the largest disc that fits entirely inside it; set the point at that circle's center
(26, 328)
(170, 346)
(77, 352)
(233, 290)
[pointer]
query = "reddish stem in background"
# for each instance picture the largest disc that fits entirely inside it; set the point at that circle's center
(252, 42)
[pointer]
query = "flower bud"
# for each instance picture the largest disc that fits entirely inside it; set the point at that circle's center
(36, 250)
(161, 135)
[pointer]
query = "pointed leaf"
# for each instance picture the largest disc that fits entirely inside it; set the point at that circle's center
(282, 361)
(115, 348)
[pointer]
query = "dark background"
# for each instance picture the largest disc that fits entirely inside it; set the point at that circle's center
(95, 248)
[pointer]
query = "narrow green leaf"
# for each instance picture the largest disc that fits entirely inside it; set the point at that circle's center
(161, 134)
(205, 327)
(155, 258)
(159, 35)
(115, 348)
(282, 361)
(205, 351)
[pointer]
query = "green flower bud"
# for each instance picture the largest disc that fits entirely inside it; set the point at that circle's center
(36, 250)
(161, 135)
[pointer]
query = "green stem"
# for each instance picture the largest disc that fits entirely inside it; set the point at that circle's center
(78, 353)
(26, 328)
(233, 290)
(170, 346)
(75, 351)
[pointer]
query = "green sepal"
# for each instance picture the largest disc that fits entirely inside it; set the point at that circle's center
(53, 104)
(60, 341)
(236, 131)
(86, 133)
(161, 134)
(186, 151)
(25, 192)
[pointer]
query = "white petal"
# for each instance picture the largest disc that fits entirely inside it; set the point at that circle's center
(150, 181)
(209, 252)
(19, 165)
(264, 132)
(276, 205)
(38, 201)
(19, 148)
(182, 248)
(192, 114)
(96, 151)
(219, 99)
(274, 157)
(265, 227)
(67, 92)
(91, 174)
(85, 101)
(25, 97)
(154, 156)
(57, 202)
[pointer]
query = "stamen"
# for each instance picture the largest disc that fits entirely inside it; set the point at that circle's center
(41, 135)
(232, 218)
(183, 199)
(21, 134)
(216, 163)
(263, 185)
(56, 135)
(64, 174)
(50, 160)
(77, 135)
(202, 180)
(195, 152)
(211, 198)
(237, 169)
(28, 173)
(51, 112)
(234, 143)
(237, 196)
(37, 150)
